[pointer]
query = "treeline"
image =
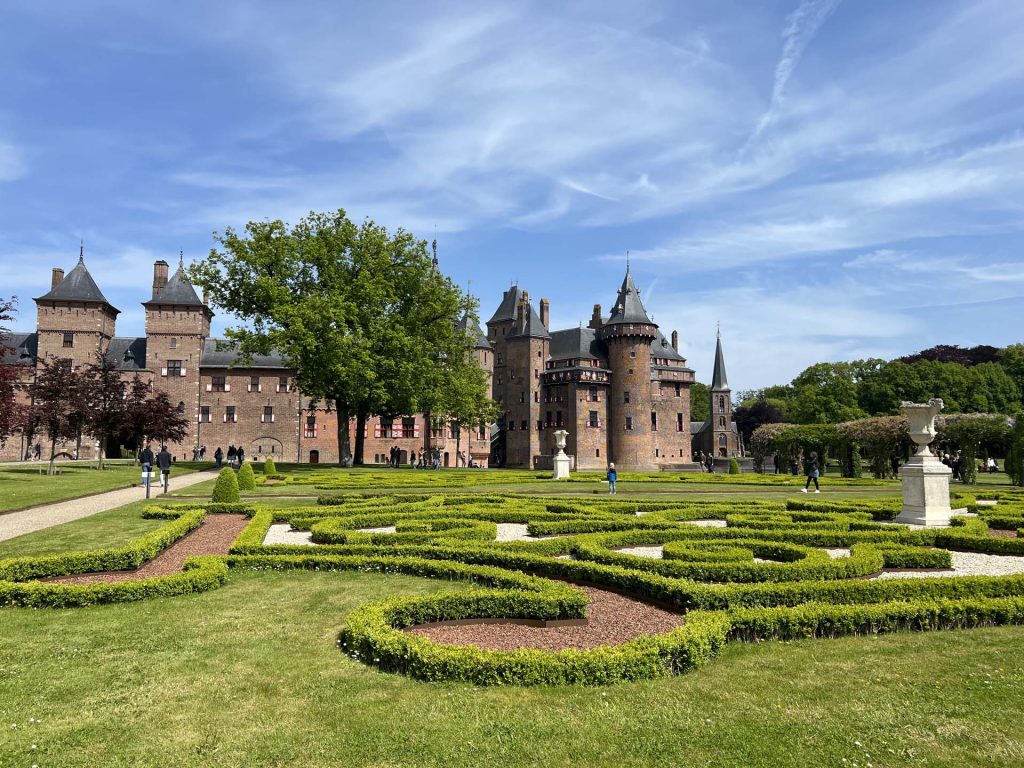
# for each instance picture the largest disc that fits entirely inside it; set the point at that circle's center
(980, 379)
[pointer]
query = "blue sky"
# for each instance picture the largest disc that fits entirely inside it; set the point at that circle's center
(830, 180)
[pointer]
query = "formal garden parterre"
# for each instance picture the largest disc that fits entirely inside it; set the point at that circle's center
(734, 571)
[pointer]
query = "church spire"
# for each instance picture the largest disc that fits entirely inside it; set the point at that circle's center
(719, 380)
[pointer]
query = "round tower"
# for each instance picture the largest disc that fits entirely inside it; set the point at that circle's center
(628, 335)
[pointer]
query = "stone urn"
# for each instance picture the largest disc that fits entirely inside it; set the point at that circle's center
(921, 417)
(925, 479)
(562, 463)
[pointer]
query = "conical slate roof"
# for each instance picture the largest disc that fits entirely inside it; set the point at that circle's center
(532, 327)
(628, 307)
(177, 291)
(718, 379)
(77, 285)
(472, 327)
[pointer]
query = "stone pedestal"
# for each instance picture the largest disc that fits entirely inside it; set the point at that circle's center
(925, 492)
(562, 466)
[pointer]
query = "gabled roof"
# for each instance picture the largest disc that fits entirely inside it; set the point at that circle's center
(718, 379)
(23, 349)
(576, 343)
(506, 311)
(628, 307)
(77, 285)
(222, 353)
(472, 327)
(128, 353)
(661, 347)
(178, 291)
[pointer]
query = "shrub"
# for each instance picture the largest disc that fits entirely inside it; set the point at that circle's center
(269, 468)
(246, 478)
(226, 489)
(734, 467)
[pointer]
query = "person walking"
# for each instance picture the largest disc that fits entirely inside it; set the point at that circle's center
(163, 460)
(146, 460)
(812, 473)
(218, 456)
(613, 477)
(231, 456)
(240, 456)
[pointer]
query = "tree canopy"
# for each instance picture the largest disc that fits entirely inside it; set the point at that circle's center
(361, 315)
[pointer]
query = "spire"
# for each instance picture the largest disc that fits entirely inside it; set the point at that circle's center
(628, 307)
(718, 379)
(81, 251)
(181, 259)
(434, 246)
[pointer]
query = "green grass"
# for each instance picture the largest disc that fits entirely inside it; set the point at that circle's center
(249, 675)
(27, 485)
(113, 528)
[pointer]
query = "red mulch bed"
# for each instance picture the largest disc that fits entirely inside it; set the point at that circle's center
(213, 537)
(999, 533)
(612, 619)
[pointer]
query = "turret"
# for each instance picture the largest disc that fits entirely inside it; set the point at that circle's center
(722, 437)
(628, 334)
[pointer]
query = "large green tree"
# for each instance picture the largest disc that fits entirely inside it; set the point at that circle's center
(361, 314)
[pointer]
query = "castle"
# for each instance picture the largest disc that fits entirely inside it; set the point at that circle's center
(617, 385)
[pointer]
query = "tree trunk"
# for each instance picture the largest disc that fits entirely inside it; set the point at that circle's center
(53, 458)
(78, 445)
(458, 441)
(357, 458)
(344, 449)
(101, 454)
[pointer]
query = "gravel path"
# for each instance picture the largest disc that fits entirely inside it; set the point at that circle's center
(13, 524)
(652, 552)
(282, 533)
(706, 523)
(966, 564)
(611, 620)
(213, 537)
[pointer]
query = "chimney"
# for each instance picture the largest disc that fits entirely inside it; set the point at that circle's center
(545, 310)
(159, 277)
(675, 340)
(595, 319)
(56, 277)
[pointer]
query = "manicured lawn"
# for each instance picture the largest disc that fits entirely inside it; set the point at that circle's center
(112, 528)
(249, 675)
(27, 485)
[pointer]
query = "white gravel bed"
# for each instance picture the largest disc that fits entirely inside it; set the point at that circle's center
(512, 532)
(706, 523)
(652, 552)
(967, 564)
(282, 533)
(837, 552)
(987, 502)
(382, 529)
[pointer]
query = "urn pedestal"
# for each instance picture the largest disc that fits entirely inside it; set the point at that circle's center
(925, 478)
(562, 463)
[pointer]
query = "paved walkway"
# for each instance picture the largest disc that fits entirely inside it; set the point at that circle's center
(14, 524)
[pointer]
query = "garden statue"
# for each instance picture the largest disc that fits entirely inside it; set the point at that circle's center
(562, 463)
(925, 478)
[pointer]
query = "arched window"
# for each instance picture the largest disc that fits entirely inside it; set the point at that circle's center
(723, 440)
(721, 402)
(721, 421)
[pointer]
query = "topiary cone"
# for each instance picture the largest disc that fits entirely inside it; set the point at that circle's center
(226, 489)
(246, 478)
(269, 468)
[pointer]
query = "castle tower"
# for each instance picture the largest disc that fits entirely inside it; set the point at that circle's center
(74, 319)
(177, 325)
(628, 334)
(723, 439)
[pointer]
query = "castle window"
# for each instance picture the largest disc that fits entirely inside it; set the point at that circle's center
(679, 422)
(721, 421)
(632, 351)
(592, 420)
(723, 440)
(230, 414)
(654, 421)
(174, 367)
(310, 429)
(629, 422)
(282, 384)
(678, 390)
(536, 396)
(268, 414)
(540, 425)
(522, 397)
(204, 414)
(630, 371)
(254, 384)
(597, 452)
(592, 395)
(721, 403)
(655, 453)
(217, 384)
(482, 433)
(69, 340)
(174, 342)
(409, 426)
(625, 396)
(524, 425)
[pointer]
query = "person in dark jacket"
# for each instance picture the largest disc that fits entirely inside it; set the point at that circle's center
(218, 456)
(163, 460)
(240, 456)
(812, 473)
(231, 456)
(146, 460)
